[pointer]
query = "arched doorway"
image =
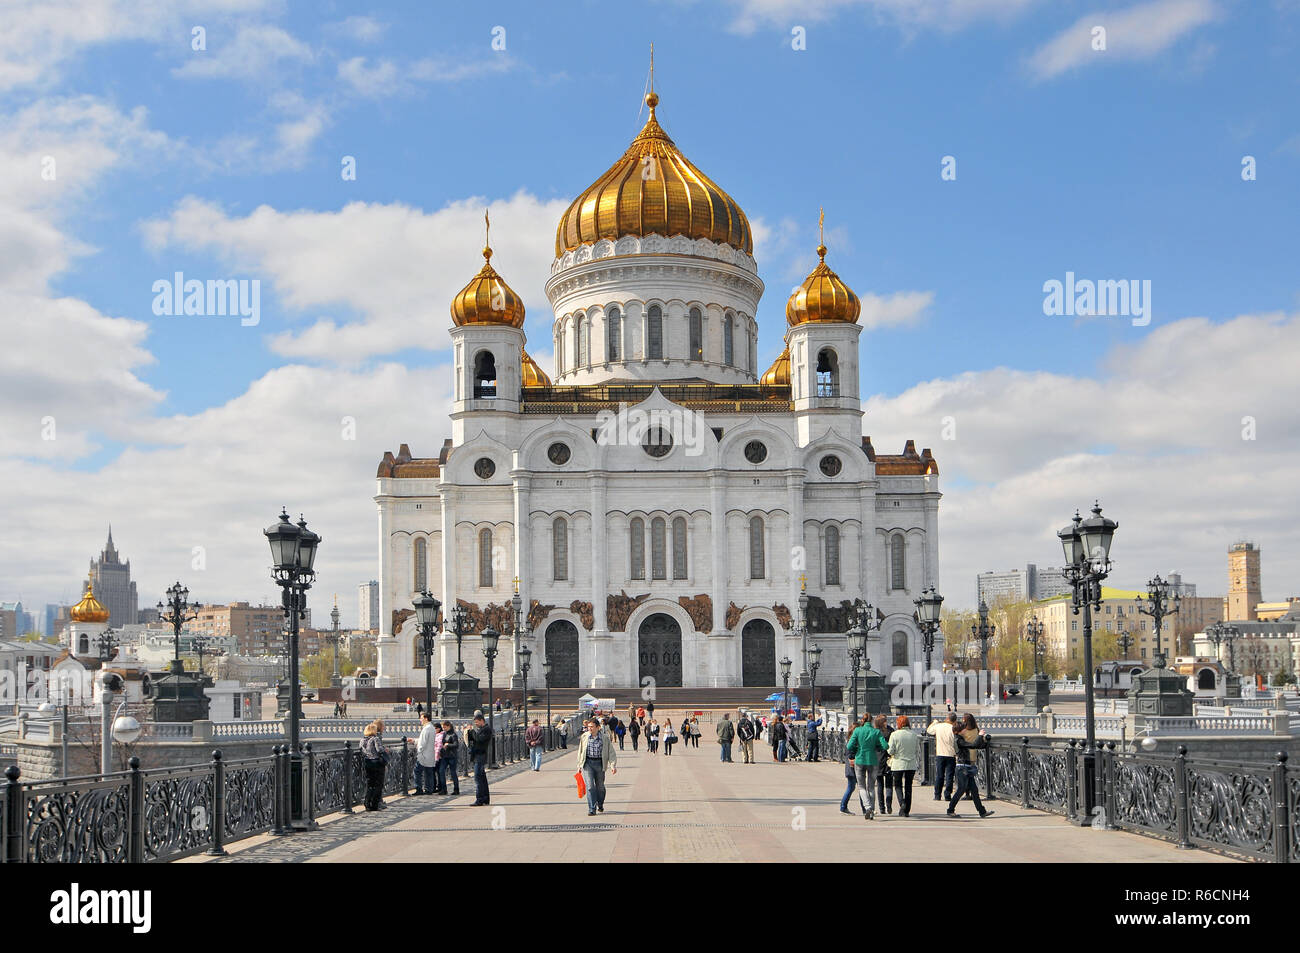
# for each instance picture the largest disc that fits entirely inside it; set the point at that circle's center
(758, 654)
(660, 650)
(1205, 679)
(562, 651)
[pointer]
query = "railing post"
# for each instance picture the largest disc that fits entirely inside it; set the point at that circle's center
(15, 823)
(1281, 812)
(218, 820)
(1071, 782)
(986, 755)
(309, 785)
(1181, 783)
(1024, 771)
(1108, 789)
(406, 767)
(347, 777)
(277, 790)
(135, 845)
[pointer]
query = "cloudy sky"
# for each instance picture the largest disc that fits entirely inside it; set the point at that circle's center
(209, 137)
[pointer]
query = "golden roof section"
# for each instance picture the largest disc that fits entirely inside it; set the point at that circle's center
(89, 609)
(823, 297)
(487, 299)
(533, 375)
(778, 375)
(653, 190)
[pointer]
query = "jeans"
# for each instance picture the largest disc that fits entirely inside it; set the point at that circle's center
(884, 787)
(747, 749)
(726, 750)
(866, 778)
(481, 793)
(446, 768)
(535, 757)
(564, 739)
(944, 767)
(593, 772)
(852, 782)
(814, 747)
(426, 780)
(635, 738)
(903, 790)
(780, 750)
(620, 742)
(967, 783)
(374, 783)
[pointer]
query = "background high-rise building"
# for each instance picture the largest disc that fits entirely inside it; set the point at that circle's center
(1244, 592)
(258, 630)
(1020, 585)
(110, 578)
(368, 606)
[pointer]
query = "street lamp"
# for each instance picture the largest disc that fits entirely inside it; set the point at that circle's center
(1162, 600)
(814, 664)
(785, 682)
(1125, 641)
(518, 631)
(525, 664)
(336, 680)
(1034, 636)
(293, 556)
(177, 610)
(928, 607)
(459, 625)
(1086, 545)
(490, 639)
(857, 641)
(426, 616)
(547, 668)
(983, 631)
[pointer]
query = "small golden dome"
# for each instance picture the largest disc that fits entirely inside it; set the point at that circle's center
(822, 297)
(89, 609)
(534, 376)
(653, 190)
(487, 299)
(778, 375)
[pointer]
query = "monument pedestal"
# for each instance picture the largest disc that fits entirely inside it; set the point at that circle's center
(1160, 692)
(459, 695)
(179, 696)
(1037, 694)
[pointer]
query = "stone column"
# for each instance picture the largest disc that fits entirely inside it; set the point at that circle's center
(724, 656)
(523, 559)
(449, 499)
(602, 643)
(385, 646)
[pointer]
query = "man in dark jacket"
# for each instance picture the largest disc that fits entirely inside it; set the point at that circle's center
(745, 732)
(726, 734)
(814, 741)
(776, 736)
(479, 739)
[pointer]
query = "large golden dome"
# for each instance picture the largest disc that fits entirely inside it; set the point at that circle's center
(89, 609)
(778, 375)
(487, 299)
(533, 375)
(653, 190)
(822, 297)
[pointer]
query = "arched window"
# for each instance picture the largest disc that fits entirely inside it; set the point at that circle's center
(614, 334)
(828, 374)
(658, 549)
(584, 341)
(421, 570)
(757, 563)
(654, 332)
(485, 558)
(832, 556)
(560, 548)
(636, 543)
(697, 335)
(577, 341)
(900, 650)
(83, 645)
(679, 548)
(728, 340)
(559, 351)
(485, 375)
(897, 562)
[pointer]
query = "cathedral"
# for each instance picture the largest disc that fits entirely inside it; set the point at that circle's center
(662, 503)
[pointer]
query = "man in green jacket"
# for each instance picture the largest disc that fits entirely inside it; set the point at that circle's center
(726, 734)
(865, 747)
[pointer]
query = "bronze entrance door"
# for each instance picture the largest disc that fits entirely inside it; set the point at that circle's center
(757, 654)
(660, 650)
(562, 650)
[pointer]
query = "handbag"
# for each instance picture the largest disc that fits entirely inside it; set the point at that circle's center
(582, 784)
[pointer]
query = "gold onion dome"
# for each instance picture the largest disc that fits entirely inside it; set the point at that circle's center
(487, 299)
(778, 375)
(822, 297)
(653, 190)
(89, 609)
(533, 375)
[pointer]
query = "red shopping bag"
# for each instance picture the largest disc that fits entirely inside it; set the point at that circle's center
(582, 784)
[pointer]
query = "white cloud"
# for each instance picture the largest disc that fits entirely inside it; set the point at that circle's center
(249, 54)
(359, 28)
(388, 78)
(945, 15)
(1139, 32)
(899, 308)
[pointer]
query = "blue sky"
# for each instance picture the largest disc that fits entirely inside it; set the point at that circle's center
(1113, 165)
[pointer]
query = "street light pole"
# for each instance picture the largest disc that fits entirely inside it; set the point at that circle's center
(426, 616)
(336, 680)
(785, 683)
(983, 631)
(928, 607)
(1034, 635)
(179, 611)
(525, 663)
(490, 639)
(857, 643)
(1162, 600)
(546, 673)
(815, 655)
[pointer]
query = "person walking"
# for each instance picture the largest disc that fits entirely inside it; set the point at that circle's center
(726, 735)
(695, 732)
(426, 757)
(620, 732)
(776, 736)
(970, 739)
(669, 737)
(652, 736)
(563, 732)
(745, 732)
(884, 779)
(596, 755)
(866, 745)
(814, 739)
(448, 754)
(945, 755)
(533, 739)
(904, 757)
(640, 716)
(686, 732)
(375, 757)
(479, 741)
(634, 729)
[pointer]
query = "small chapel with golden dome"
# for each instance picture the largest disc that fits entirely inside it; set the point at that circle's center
(659, 504)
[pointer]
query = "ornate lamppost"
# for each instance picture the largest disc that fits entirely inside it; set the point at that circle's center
(518, 631)
(1223, 633)
(199, 643)
(802, 681)
(107, 642)
(928, 607)
(336, 679)
(814, 664)
(458, 692)
(546, 673)
(491, 637)
(178, 610)
(983, 631)
(1162, 600)
(293, 555)
(427, 617)
(1125, 642)
(525, 664)
(785, 684)
(857, 642)
(1086, 544)
(1158, 690)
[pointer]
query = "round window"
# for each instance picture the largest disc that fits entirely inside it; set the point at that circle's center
(484, 468)
(558, 453)
(755, 451)
(657, 442)
(831, 465)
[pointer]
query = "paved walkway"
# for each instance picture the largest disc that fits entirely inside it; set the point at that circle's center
(691, 807)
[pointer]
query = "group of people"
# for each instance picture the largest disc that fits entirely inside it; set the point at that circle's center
(437, 753)
(340, 709)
